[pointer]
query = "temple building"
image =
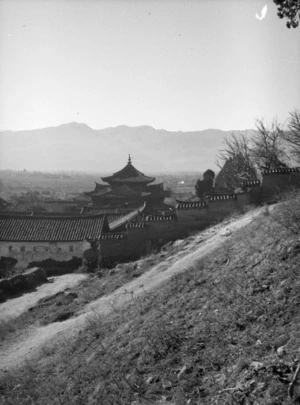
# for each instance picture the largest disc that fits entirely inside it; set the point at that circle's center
(128, 188)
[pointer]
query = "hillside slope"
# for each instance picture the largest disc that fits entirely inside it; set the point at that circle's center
(219, 324)
(15, 352)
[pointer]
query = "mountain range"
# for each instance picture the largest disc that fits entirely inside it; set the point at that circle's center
(76, 146)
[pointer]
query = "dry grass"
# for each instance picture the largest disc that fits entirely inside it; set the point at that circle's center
(64, 305)
(224, 332)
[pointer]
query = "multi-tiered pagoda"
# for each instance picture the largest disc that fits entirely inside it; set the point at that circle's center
(128, 187)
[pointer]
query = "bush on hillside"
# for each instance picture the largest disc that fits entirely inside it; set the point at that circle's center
(57, 268)
(288, 213)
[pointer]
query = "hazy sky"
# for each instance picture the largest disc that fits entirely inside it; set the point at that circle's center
(178, 65)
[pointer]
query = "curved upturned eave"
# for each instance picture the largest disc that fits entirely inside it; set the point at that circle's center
(135, 180)
(129, 174)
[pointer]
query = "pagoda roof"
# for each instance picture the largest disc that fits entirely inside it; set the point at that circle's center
(100, 189)
(156, 187)
(124, 191)
(129, 174)
(157, 190)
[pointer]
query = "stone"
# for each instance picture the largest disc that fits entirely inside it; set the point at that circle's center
(149, 379)
(178, 242)
(181, 371)
(167, 384)
(281, 351)
(256, 365)
(226, 232)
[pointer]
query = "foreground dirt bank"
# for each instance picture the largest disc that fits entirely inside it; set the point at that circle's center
(30, 343)
(16, 306)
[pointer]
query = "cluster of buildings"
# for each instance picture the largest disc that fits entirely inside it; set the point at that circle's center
(127, 218)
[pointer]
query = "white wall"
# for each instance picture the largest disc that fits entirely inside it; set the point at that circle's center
(26, 252)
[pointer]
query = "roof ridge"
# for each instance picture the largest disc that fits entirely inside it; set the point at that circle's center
(50, 217)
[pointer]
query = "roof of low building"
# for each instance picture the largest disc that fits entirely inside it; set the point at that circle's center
(52, 229)
(129, 174)
(113, 225)
(92, 210)
(3, 204)
(157, 190)
(99, 190)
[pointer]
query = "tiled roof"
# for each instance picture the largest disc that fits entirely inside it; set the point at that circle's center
(105, 210)
(282, 171)
(129, 174)
(125, 191)
(112, 218)
(124, 219)
(51, 229)
(155, 187)
(74, 213)
(190, 205)
(52, 201)
(112, 215)
(3, 203)
(100, 189)
(16, 213)
(158, 191)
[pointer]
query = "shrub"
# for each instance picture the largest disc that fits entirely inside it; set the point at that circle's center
(288, 213)
(57, 268)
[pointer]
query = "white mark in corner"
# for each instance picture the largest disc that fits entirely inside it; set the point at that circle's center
(263, 13)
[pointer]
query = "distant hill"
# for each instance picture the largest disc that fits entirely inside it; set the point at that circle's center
(76, 146)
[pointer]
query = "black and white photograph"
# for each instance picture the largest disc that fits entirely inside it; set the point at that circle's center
(149, 202)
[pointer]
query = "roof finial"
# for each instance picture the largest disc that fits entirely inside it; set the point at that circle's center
(129, 159)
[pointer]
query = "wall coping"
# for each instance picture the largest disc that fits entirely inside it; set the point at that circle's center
(136, 225)
(221, 197)
(159, 218)
(191, 205)
(251, 183)
(107, 236)
(281, 171)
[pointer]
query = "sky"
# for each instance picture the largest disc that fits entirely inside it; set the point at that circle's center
(177, 65)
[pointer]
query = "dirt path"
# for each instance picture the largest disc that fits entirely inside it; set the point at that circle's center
(31, 342)
(16, 306)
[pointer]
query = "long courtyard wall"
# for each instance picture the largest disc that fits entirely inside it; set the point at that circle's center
(143, 236)
(27, 252)
(153, 231)
(137, 235)
(277, 181)
(139, 239)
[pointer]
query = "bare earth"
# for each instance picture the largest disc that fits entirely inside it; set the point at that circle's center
(14, 307)
(29, 343)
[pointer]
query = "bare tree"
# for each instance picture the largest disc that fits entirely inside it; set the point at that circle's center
(268, 145)
(292, 135)
(235, 162)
